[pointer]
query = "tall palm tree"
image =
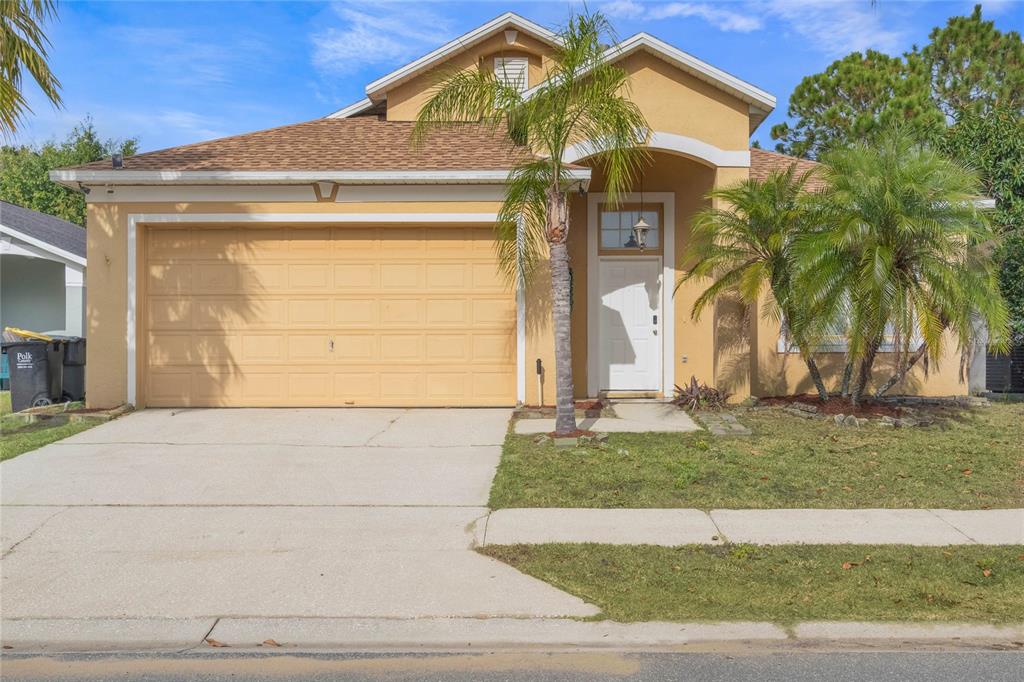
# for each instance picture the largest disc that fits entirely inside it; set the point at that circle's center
(904, 254)
(23, 47)
(582, 100)
(745, 248)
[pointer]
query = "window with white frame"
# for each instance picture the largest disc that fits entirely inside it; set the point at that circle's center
(512, 71)
(836, 342)
(616, 226)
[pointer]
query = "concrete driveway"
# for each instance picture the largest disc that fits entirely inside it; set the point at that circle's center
(199, 514)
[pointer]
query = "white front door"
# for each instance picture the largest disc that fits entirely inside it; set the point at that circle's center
(630, 324)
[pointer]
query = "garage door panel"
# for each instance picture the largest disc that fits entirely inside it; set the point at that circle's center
(365, 315)
(355, 312)
(310, 277)
(355, 277)
(169, 313)
(356, 348)
(170, 278)
(264, 348)
(495, 311)
(401, 311)
(169, 243)
(398, 348)
(447, 311)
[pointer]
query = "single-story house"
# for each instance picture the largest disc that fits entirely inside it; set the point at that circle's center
(331, 263)
(42, 271)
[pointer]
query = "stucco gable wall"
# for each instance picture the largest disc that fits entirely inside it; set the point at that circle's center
(406, 100)
(673, 101)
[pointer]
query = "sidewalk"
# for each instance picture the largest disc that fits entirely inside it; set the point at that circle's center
(671, 527)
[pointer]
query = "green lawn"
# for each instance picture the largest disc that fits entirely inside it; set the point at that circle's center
(16, 437)
(783, 584)
(968, 460)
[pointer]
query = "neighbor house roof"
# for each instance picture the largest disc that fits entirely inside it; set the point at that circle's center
(764, 162)
(42, 230)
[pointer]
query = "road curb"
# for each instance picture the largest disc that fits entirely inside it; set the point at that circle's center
(28, 636)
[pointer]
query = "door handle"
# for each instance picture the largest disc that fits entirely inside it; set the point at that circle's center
(655, 319)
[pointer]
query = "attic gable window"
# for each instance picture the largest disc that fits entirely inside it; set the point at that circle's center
(512, 71)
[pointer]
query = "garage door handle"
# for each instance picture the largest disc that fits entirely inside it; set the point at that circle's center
(330, 345)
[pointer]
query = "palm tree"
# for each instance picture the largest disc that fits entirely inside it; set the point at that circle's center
(746, 248)
(903, 254)
(582, 100)
(23, 46)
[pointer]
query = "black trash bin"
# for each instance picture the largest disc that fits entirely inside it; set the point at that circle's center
(73, 384)
(30, 374)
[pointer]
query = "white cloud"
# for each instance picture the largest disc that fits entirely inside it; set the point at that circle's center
(717, 16)
(836, 27)
(191, 58)
(722, 19)
(377, 33)
(833, 27)
(623, 9)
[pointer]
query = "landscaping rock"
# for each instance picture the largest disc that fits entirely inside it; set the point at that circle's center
(906, 423)
(601, 438)
(584, 441)
(851, 420)
(804, 407)
(566, 441)
(542, 439)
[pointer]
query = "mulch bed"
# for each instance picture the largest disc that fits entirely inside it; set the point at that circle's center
(836, 405)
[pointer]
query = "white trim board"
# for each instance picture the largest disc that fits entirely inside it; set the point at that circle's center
(352, 109)
(681, 144)
(137, 219)
(668, 313)
(72, 178)
(292, 193)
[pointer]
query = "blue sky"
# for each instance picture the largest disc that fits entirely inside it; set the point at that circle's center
(172, 73)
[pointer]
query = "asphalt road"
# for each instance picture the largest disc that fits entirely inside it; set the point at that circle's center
(556, 667)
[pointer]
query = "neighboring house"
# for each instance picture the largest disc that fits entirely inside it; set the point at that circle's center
(42, 271)
(331, 263)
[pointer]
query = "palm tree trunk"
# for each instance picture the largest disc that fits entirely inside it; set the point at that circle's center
(864, 372)
(902, 372)
(812, 367)
(844, 388)
(558, 228)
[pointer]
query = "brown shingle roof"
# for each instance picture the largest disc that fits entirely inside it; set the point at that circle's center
(763, 162)
(346, 144)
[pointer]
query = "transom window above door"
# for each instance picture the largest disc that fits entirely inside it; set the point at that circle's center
(616, 226)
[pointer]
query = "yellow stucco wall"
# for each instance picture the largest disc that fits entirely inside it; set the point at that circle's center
(676, 102)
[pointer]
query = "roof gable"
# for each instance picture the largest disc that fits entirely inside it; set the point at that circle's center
(509, 20)
(761, 102)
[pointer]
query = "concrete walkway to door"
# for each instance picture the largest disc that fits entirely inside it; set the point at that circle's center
(199, 514)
